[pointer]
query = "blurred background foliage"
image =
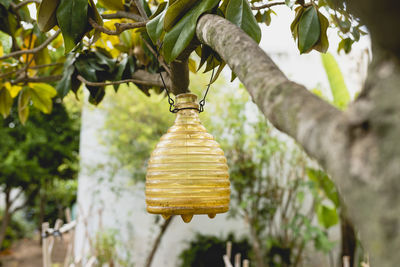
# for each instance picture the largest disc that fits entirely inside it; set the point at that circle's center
(39, 165)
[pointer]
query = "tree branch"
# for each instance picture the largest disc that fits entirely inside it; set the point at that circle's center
(121, 15)
(138, 77)
(42, 79)
(34, 50)
(119, 27)
(268, 5)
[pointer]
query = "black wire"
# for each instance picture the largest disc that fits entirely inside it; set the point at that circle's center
(171, 102)
(202, 102)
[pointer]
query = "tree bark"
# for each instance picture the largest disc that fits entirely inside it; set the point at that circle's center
(256, 244)
(358, 147)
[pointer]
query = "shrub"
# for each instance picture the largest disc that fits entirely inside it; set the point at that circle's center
(207, 250)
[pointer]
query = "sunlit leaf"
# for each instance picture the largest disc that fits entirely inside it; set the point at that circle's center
(41, 95)
(23, 105)
(192, 65)
(13, 89)
(176, 40)
(325, 184)
(340, 93)
(327, 216)
(113, 4)
(6, 102)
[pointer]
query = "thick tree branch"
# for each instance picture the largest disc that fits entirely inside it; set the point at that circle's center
(119, 27)
(180, 70)
(34, 50)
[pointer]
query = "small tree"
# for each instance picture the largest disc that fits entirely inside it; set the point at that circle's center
(271, 189)
(34, 156)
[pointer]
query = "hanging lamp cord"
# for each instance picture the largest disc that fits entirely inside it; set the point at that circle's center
(171, 102)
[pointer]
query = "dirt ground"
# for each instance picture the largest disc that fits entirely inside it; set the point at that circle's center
(28, 253)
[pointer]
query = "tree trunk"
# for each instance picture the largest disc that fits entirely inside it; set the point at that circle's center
(357, 147)
(42, 206)
(157, 242)
(259, 255)
(6, 217)
(349, 239)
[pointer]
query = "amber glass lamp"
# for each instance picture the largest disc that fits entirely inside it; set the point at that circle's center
(187, 172)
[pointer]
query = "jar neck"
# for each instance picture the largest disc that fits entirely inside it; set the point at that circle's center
(186, 102)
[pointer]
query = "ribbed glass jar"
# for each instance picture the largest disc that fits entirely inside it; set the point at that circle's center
(187, 172)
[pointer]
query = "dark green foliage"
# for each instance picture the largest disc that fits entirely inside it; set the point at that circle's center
(207, 250)
(38, 156)
(60, 195)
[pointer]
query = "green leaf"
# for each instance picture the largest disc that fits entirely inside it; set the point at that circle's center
(239, 12)
(324, 184)
(295, 24)
(160, 8)
(176, 11)
(85, 70)
(46, 17)
(72, 19)
(97, 94)
(6, 102)
(309, 29)
(216, 75)
(42, 94)
(176, 40)
(345, 45)
(341, 96)
(23, 105)
(120, 69)
(155, 27)
(146, 7)
(192, 65)
(64, 85)
(289, 3)
(205, 53)
(5, 3)
(323, 44)
(327, 216)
